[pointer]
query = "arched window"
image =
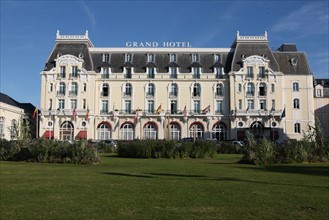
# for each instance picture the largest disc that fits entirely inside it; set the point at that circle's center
(128, 89)
(127, 131)
(150, 90)
(105, 90)
(196, 130)
(295, 86)
(66, 131)
(175, 131)
(74, 89)
(150, 131)
(104, 131)
(196, 90)
(257, 129)
(219, 89)
(296, 103)
(262, 89)
(62, 88)
(220, 131)
(250, 89)
(173, 90)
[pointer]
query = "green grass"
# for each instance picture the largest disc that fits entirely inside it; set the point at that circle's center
(121, 188)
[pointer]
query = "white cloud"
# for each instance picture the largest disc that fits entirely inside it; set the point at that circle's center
(88, 11)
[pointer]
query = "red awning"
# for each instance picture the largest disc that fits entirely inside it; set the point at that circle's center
(48, 134)
(82, 135)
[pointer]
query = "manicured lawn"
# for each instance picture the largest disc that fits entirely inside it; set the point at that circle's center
(217, 188)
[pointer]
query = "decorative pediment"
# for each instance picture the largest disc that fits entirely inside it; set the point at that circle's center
(68, 59)
(255, 61)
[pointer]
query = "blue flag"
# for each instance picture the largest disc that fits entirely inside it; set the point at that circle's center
(283, 115)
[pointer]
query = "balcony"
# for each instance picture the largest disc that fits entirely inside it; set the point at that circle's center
(60, 93)
(103, 111)
(105, 76)
(260, 112)
(250, 93)
(73, 93)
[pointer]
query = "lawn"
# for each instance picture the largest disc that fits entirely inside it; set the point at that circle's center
(121, 188)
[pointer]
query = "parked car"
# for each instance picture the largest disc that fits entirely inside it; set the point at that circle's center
(238, 143)
(112, 143)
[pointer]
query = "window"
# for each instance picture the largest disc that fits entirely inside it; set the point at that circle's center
(105, 107)
(128, 73)
(74, 71)
(13, 128)
(73, 103)
(128, 106)
(262, 72)
(174, 131)
(219, 73)
(239, 87)
(173, 58)
(66, 131)
(196, 130)
(106, 57)
(273, 104)
(85, 87)
(105, 72)
(219, 107)
(62, 72)
(50, 87)
(250, 72)
(272, 87)
(297, 128)
(250, 104)
(128, 57)
(127, 131)
(173, 90)
(150, 90)
(2, 131)
(150, 131)
(262, 89)
(74, 89)
(250, 89)
(217, 58)
(196, 105)
(61, 89)
(128, 90)
(219, 90)
(296, 103)
(262, 104)
(150, 72)
(220, 131)
(195, 58)
(173, 72)
(240, 103)
(295, 86)
(50, 104)
(196, 90)
(61, 103)
(318, 93)
(150, 106)
(173, 107)
(105, 90)
(196, 72)
(150, 58)
(84, 104)
(104, 131)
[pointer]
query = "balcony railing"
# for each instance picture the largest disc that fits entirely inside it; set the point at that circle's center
(73, 93)
(60, 93)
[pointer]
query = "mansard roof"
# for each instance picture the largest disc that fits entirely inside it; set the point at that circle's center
(323, 82)
(27, 107)
(293, 63)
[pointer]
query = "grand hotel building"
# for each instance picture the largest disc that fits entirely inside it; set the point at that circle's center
(172, 93)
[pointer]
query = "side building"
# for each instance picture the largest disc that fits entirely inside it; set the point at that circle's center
(173, 93)
(12, 113)
(321, 104)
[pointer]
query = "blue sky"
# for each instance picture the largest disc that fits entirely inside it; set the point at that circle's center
(28, 30)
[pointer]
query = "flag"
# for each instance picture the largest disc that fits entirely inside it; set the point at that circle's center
(247, 108)
(207, 109)
(136, 116)
(74, 112)
(184, 112)
(35, 112)
(87, 114)
(159, 109)
(283, 115)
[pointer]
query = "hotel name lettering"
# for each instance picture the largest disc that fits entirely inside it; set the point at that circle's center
(157, 44)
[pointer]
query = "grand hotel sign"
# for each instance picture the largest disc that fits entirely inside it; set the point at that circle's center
(170, 44)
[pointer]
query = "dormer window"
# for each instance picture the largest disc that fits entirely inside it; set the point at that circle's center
(173, 58)
(293, 61)
(150, 58)
(217, 58)
(195, 58)
(128, 57)
(106, 57)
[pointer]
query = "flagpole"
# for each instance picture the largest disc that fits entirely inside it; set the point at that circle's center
(37, 126)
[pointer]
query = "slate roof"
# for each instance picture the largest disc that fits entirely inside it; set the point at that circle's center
(27, 107)
(324, 82)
